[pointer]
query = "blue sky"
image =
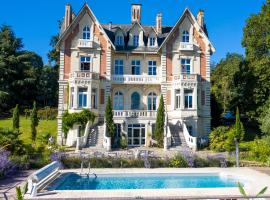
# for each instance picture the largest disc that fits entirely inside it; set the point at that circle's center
(36, 20)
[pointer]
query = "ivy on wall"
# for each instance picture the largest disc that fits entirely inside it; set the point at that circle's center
(81, 118)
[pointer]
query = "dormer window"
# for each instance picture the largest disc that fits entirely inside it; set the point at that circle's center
(185, 36)
(86, 33)
(119, 40)
(152, 41)
(135, 40)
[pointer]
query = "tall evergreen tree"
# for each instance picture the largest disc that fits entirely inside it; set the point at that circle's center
(110, 126)
(159, 130)
(34, 122)
(16, 118)
(257, 47)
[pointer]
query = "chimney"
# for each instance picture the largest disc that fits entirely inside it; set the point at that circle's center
(68, 16)
(110, 26)
(200, 18)
(136, 13)
(159, 23)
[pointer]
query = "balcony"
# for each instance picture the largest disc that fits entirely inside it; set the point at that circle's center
(82, 43)
(135, 114)
(186, 77)
(84, 75)
(186, 46)
(135, 79)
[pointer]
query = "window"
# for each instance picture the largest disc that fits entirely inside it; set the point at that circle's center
(119, 40)
(177, 99)
(136, 134)
(185, 65)
(85, 63)
(135, 101)
(152, 68)
(188, 98)
(71, 97)
(94, 98)
(135, 40)
(185, 36)
(118, 67)
(152, 101)
(118, 101)
(135, 67)
(82, 97)
(86, 33)
(152, 41)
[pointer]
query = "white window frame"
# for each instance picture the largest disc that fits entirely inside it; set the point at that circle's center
(152, 101)
(188, 95)
(85, 60)
(135, 40)
(184, 64)
(94, 98)
(119, 41)
(136, 64)
(177, 99)
(152, 67)
(185, 36)
(118, 64)
(86, 33)
(118, 101)
(84, 98)
(152, 41)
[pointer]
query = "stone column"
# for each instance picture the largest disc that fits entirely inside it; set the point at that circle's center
(195, 98)
(89, 97)
(182, 103)
(76, 97)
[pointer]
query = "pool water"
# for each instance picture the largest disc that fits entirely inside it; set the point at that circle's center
(73, 181)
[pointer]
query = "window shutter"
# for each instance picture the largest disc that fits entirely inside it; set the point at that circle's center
(102, 92)
(203, 98)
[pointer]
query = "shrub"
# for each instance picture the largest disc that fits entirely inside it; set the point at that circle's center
(23, 162)
(19, 193)
(200, 162)
(123, 142)
(218, 138)
(47, 113)
(178, 161)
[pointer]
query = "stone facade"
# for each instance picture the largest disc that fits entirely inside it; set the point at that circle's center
(135, 64)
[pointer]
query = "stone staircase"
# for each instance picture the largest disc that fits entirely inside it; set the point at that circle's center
(95, 137)
(178, 139)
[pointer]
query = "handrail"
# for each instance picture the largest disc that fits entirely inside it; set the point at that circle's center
(140, 79)
(134, 113)
(190, 140)
(106, 139)
(82, 141)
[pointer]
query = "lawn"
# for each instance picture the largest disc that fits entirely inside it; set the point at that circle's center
(45, 126)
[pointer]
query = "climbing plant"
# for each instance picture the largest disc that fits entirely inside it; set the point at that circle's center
(81, 118)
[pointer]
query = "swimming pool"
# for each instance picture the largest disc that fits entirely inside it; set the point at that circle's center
(74, 181)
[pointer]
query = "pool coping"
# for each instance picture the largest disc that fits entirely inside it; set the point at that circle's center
(256, 181)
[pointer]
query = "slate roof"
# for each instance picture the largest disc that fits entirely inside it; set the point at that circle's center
(126, 28)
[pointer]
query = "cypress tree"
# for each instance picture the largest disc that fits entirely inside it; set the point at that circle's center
(16, 118)
(159, 130)
(109, 119)
(34, 121)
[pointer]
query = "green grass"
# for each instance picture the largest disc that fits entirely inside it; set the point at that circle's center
(44, 126)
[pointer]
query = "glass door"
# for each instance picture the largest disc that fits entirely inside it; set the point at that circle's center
(136, 134)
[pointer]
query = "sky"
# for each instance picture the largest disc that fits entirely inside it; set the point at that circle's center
(35, 21)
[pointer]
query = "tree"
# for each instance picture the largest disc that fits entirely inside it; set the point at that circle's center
(110, 126)
(265, 118)
(159, 129)
(16, 118)
(19, 70)
(19, 193)
(236, 134)
(34, 122)
(256, 39)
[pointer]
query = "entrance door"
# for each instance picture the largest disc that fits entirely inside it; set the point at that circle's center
(136, 134)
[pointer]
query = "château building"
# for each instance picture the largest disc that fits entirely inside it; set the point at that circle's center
(135, 64)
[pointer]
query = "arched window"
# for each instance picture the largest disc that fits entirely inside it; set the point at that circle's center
(185, 36)
(118, 101)
(135, 101)
(152, 101)
(86, 33)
